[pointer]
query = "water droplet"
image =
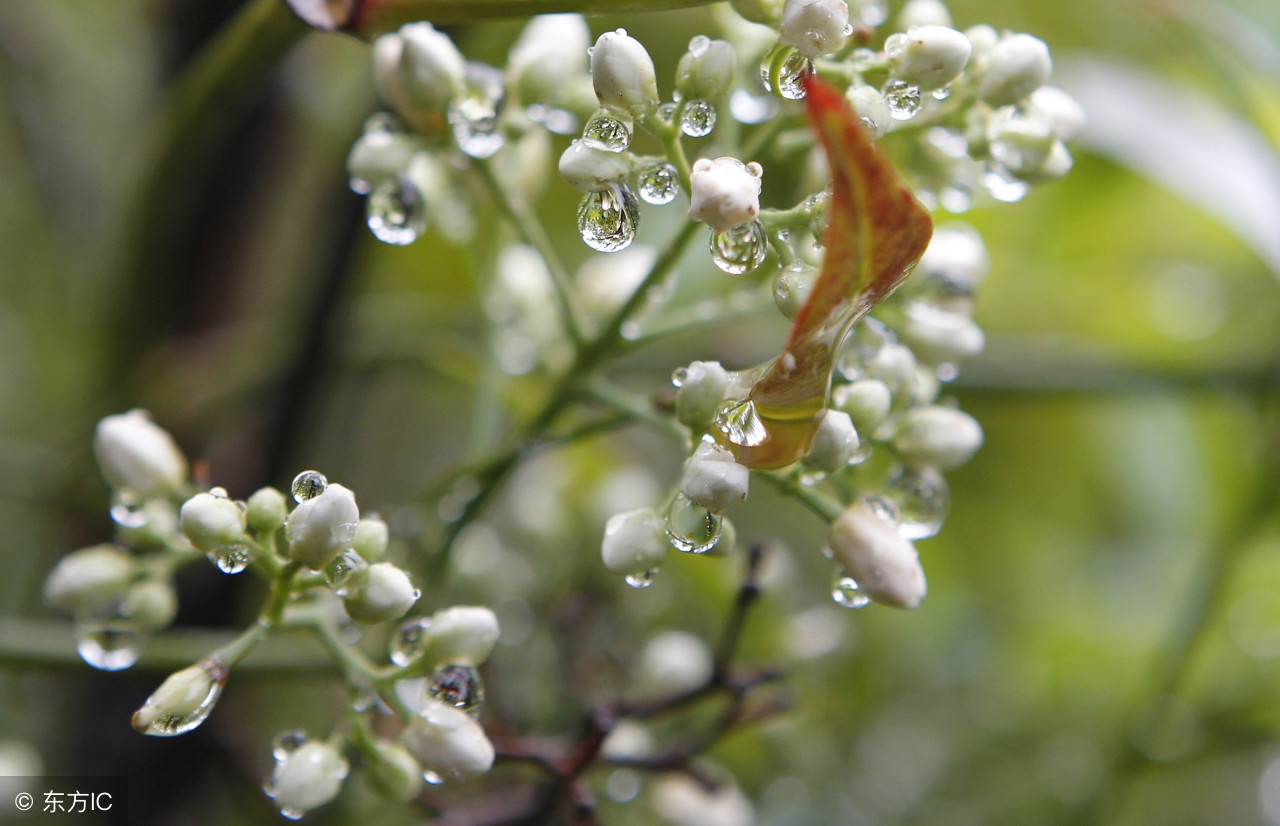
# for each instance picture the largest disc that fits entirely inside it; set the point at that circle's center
(845, 591)
(608, 132)
(286, 743)
(623, 785)
(874, 13)
(396, 212)
(432, 778)
(219, 493)
(943, 93)
(382, 122)
(609, 219)
(643, 579)
(290, 813)
(740, 249)
(171, 725)
(881, 506)
(827, 553)
(692, 528)
(458, 686)
(847, 30)
(474, 114)
(698, 119)
(112, 645)
(679, 376)
(409, 641)
(659, 183)
(741, 424)
(699, 44)
(1002, 184)
(231, 559)
(308, 485)
(342, 570)
(791, 76)
(128, 512)
(922, 499)
(666, 113)
(903, 99)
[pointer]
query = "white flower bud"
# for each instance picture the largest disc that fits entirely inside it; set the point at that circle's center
(700, 394)
(895, 365)
(713, 479)
(923, 13)
(139, 456)
(726, 192)
(267, 509)
(307, 778)
(379, 593)
(395, 775)
(322, 527)
(448, 742)
(634, 542)
(814, 27)
(706, 70)
(940, 437)
(550, 51)
(182, 694)
(588, 169)
(429, 70)
(1056, 164)
(867, 401)
(371, 539)
(150, 605)
(1021, 143)
(834, 443)
(928, 56)
(672, 662)
(885, 566)
(1060, 109)
(462, 635)
(939, 336)
(870, 105)
(211, 522)
(982, 37)
(682, 801)
(89, 581)
(629, 740)
(1014, 68)
(623, 74)
(379, 155)
(955, 256)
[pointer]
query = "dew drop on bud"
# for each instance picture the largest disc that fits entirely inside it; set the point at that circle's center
(171, 725)
(409, 641)
(698, 119)
(846, 592)
(128, 512)
(609, 219)
(791, 76)
(679, 376)
(287, 742)
(740, 249)
(692, 528)
(643, 579)
(881, 506)
(231, 559)
(604, 131)
(474, 114)
(432, 778)
(308, 485)
(666, 114)
(396, 212)
(109, 645)
(458, 686)
(942, 93)
(903, 99)
(659, 183)
(922, 500)
(343, 569)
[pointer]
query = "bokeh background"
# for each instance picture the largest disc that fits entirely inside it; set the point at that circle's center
(1101, 642)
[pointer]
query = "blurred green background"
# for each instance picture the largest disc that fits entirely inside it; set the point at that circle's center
(1101, 642)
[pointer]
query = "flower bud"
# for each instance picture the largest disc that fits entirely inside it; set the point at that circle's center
(463, 635)
(923, 13)
(211, 522)
(623, 74)
(867, 401)
(90, 581)
(700, 394)
(834, 443)
(672, 662)
(307, 778)
(768, 12)
(394, 774)
(895, 365)
(138, 456)
(634, 542)
(1056, 164)
(182, 696)
(1014, 68)
(940, 437)
(379, 155)
(448, 742)
(954, 263)
(151, 604)
(928, 56)
(371, 539)
(321, 528)
(588, 169)
(885, 566)
(713, 479)
(428, 71)
(682, 801)
(939, 336)
(551, 50)
(814, 27)
(705, 71)
(1021, 143)
(1060, 109)
(872, 108)
(267, 509)
(381, 592)
(982, 38)
(726, 192)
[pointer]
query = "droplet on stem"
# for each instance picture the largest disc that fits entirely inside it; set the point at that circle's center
(741, 248)
(698, 119)
(692, 528)
(659, 183)
(903, 99)
(458, 686)
(608, 132)
(409, 641)
(609, 219)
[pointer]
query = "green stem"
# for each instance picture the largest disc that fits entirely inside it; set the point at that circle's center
(236, 650)
(281, 590)
(635, 406)
(669, 134)
(824, 507)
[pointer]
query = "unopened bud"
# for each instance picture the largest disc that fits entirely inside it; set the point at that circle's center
(550, 51)
(634, 542)
(182, 701)
(939, 336)
(322, 527)
(700, 393)
(713, 479)
(1060, 109)
(834, 443)
(928, 56)
(672, 662)
(430, 69)
(381, 592)
(151, 604)
(211, 523)
(1014, 68)
(869, 105)
(939, 437)
(90, 581)
(139, 456)
(885, 566)
(814, 27)
(867, 401)
(623, 74)
(394, 774)
(448, 742)
(923, 13)
(706, 70)
(726, 192)
(588, 169)
(307, 778)
(267, 509)
(371, 539)
(463, 635)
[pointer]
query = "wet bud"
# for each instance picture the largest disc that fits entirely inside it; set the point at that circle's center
(322, 527)
(867, 401)
(381, 592)
(139, 456)
(156, 526)
(623, 74)
(151, 604)
(429, 70)
(713, 479)
(672, 662)
(705, 71)
(1021, 143)
(928, 56)
(550, 51)
(726, 192)
(814, 27)
(923, 13)
(700, 394)
(634, 542)
(267, 509)
(588, 169)
(371, 539)
(394, 774)
(379, 155)
(939, 336)
(448, 742)
(895, 365)
(211, 522)
(940, 437)
(89, 581)
(1014, 68)
(182, 701)
(872, 108)
(955, 261)
(834, 443)
(982, 38)
(307, 778)
(1060, 109)
(885, 566)
(463, 635)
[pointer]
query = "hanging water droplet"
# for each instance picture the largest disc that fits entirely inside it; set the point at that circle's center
(659, 183)
(679, 376)
(458, 686)
(1002, 184)
(942, 93)
(881, 506)
(845, 591)
(741, 424)
(608, 132)
(291, 813)
(474, 114)
(382, 122)
(111, 645)
(740, 249)
(791, 76)
(432, 778)
(308, 485)
(343, 569)
(698, 119)
(922, 499)
(396, 212)
(128, 512)
(219, 493)
(903, 99)
(642, 579)
(811, 476)
(692, 528)
(609, 219)
(409, 641)
(666, 113)
(231, 559)
(287, 742)
(171, 725)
